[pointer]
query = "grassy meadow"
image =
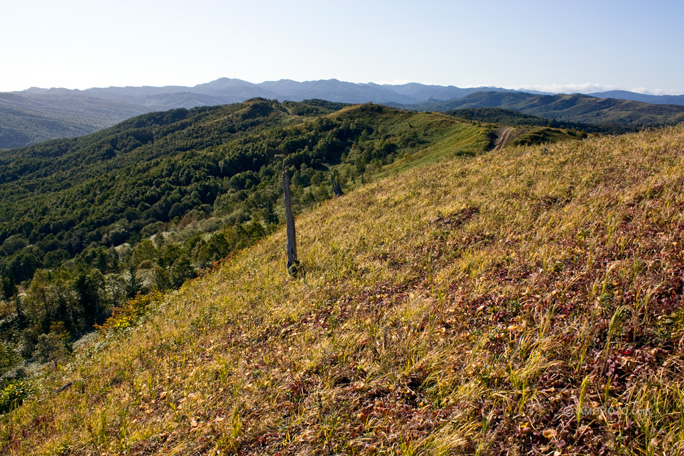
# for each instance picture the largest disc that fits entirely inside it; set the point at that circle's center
(523, 301)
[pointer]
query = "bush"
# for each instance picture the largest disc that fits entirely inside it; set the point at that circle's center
(13, 395)
(131, 312)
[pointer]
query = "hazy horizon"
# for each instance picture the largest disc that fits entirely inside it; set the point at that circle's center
(532, 45)
(586, 88)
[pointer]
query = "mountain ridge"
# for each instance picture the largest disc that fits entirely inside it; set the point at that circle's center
(645, 98)
(576, 108)
(79, 112)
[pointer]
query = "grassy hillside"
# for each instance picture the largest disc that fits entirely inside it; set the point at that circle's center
(524, 301)
(609, 113)
(143, 206)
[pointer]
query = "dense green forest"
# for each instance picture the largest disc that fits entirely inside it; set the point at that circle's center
(87, 223)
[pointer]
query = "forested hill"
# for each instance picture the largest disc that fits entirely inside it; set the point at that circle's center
(577, 108)
(29, 118)
(67, 196)
(86, 223)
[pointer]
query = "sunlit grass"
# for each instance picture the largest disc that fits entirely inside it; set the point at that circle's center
(524, 299)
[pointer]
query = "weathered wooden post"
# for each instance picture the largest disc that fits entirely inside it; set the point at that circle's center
(292, 262)
(337, 190)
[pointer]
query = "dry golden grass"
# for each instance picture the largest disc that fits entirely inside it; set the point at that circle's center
(526, 301)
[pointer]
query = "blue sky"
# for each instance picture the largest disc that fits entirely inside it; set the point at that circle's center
(547, 45)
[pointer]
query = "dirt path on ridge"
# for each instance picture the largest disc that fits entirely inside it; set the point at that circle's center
(503, 137)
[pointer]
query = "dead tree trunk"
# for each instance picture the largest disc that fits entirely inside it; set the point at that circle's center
(292, 262)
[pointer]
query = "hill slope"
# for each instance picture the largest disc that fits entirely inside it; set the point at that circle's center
(145, 205)
(27, 118)
(645, 98)
(135, 173)
(520, 302)
(570, 108)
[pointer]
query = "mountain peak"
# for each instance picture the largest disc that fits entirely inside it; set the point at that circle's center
(224, 83)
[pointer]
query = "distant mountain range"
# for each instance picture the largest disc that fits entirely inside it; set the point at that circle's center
(226, 90)
(644, 98)
(607, 112)
(36, 114)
